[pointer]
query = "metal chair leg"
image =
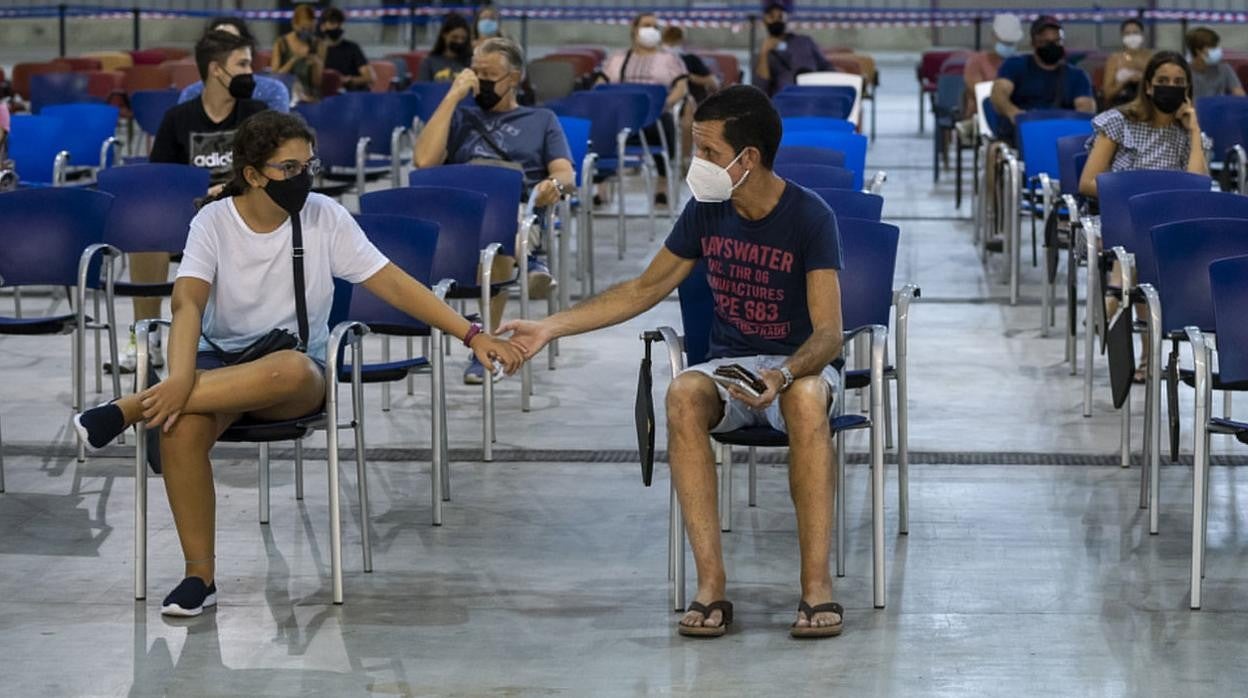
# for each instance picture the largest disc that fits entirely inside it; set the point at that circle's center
(753, 476)
(438, 427)
(1, 463)
(385, 387)
(839, 503)
(411, 354)
(676, 529)
(264, 483)
(877, 469)
(725, 488)
(361, 472)
(299, 470)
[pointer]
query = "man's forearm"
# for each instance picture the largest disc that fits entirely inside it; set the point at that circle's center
(431, 146)
(819, 350)
(621, 302)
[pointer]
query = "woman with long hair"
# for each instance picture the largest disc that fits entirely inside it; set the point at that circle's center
(452, 52)
(298, 53)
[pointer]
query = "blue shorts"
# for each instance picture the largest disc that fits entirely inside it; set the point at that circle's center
(208, 360)
(737, 414)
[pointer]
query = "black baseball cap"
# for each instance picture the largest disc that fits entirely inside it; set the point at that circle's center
(1045, 22)
(770, 5)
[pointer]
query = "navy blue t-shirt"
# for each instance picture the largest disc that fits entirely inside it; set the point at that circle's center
(757, 269)
(1037, 88)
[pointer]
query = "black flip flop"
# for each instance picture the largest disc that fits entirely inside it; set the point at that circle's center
(725, 609)
(812, 631)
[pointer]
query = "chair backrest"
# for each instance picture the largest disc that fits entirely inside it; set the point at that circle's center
(816, 123)
(380, 113)
(805, 154)
(502, 187)
(551, 79)
(582, 63)
(112, 60)
(1069, 165)
(1184, 250)
(729, 66)
(144, 57)
(1038, 143)
(102, 85)
(853, 145)
(868, 260)
(336, 122)
(816, 176)
(410, 244)
(459, 214)
(656, 96)
(411, 61)
(431, 95)
(34, 142)
(153, 205)
(847, 203)
(183, 72)
(1114, 189)
(384, 75)
(87, 127)
(45, 232)
(81, 64)
(24, 72)
(1228, 284)
(929, 66)
(145, 77)
(576, 130)
(983, 90)
(149, 107)
(1225, 121)
(1046, 114)
(950, 88)
(57, 88)
(827, 104)
(834, 79)
(1160, 207)
(608, 113)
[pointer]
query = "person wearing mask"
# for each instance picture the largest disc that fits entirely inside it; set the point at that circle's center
(451, 54)
(785, 55)
(762, 237)
(298, 53)
(646, 62)
(1210, 76)
(487, 24)
(500, 129)
(1125, 68)
(235, 285)
(702, 83)
(199, 133)
(268, 90)
(343, 55)
(983, 66)
(1158, 130)
(1039, 80)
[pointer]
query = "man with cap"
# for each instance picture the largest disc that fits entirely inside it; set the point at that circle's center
(1039, 80)
(784, 55)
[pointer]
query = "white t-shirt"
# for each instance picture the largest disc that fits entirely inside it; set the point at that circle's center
(253, 286)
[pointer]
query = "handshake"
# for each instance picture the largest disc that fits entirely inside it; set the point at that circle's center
(506, 354)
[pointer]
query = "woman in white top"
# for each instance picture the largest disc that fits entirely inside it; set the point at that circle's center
(235, 285)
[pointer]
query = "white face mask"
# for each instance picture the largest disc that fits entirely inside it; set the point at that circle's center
(710, 183)
(1133, 41)
(649, 37)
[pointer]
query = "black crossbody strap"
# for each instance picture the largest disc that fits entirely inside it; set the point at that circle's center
(301, 301)
(624, 66)
(485, 136)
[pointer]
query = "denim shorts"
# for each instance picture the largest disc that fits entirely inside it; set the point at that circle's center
(208, 360)
(737, 414)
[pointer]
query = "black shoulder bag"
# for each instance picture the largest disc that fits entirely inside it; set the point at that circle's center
(278, 339)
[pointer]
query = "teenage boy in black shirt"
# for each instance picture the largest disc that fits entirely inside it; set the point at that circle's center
(344, 55)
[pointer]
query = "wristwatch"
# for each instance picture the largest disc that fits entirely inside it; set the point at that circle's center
(788, 378)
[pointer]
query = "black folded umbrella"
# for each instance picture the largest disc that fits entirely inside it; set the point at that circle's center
(644, 413)
(1121, 350)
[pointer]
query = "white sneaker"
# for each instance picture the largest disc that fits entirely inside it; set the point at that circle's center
(129, 358)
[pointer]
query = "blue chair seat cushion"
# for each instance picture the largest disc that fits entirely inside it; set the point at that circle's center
(386, 372)
(132, 290)
(1189, 379)
(764, 437)
(56, 324)
(1229, 426)
(249, 430)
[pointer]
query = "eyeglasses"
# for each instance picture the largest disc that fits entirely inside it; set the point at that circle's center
(293, 168)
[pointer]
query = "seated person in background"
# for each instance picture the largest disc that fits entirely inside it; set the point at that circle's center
(451, 54)
(486, 25)
(198, 133)
(499, 129)
(298, 53)
(236, 285)
(702, 83)
(1039, 80)
(1210, 76)
(1157, 130)
(784, 55)
(268, 90)
(343, 55)
(646, 62)
(1124, 69)
(772, 250)
(983, 66)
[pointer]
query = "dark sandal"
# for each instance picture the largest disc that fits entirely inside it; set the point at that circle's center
(810, 612)
(725, 609)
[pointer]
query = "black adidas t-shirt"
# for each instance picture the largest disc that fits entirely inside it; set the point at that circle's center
(188, 137)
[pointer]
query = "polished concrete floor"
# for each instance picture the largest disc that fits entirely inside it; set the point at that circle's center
(1028, 569)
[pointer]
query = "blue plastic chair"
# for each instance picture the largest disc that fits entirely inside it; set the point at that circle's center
(57, 88)
(816, 176)
(502, 188)
(834, 106)
(149, 107)
(810, 155)
(1046, 114)
(853, 145)
(1069, 164)
(90, 139)
(431, 95)
(1115, 189)
(1155, 208)
(1225, 120)
(54, 237)
(34, 145)
(847, 203)
(816, 123)
(577, 131)
(839, 91)
(339, 125)
(1038, 143)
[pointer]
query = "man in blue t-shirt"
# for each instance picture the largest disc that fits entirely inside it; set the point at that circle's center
(771, 251)
(1039, 80)
(497, 129)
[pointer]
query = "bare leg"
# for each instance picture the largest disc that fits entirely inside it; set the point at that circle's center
(188, 483)
(811, 485)
(148, 268)
(693, 407)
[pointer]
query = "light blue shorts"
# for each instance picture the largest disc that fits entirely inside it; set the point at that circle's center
(737, 414)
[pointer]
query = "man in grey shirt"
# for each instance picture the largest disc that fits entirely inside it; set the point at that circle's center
(784, 55)
(1210, 76)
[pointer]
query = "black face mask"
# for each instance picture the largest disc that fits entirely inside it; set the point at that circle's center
(487, 98)
(291, 193)
(1168, 98)
(242, 86)
(776, 29)
(305, 35)
(459, 48)
(333, 34)
(1051, 53)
